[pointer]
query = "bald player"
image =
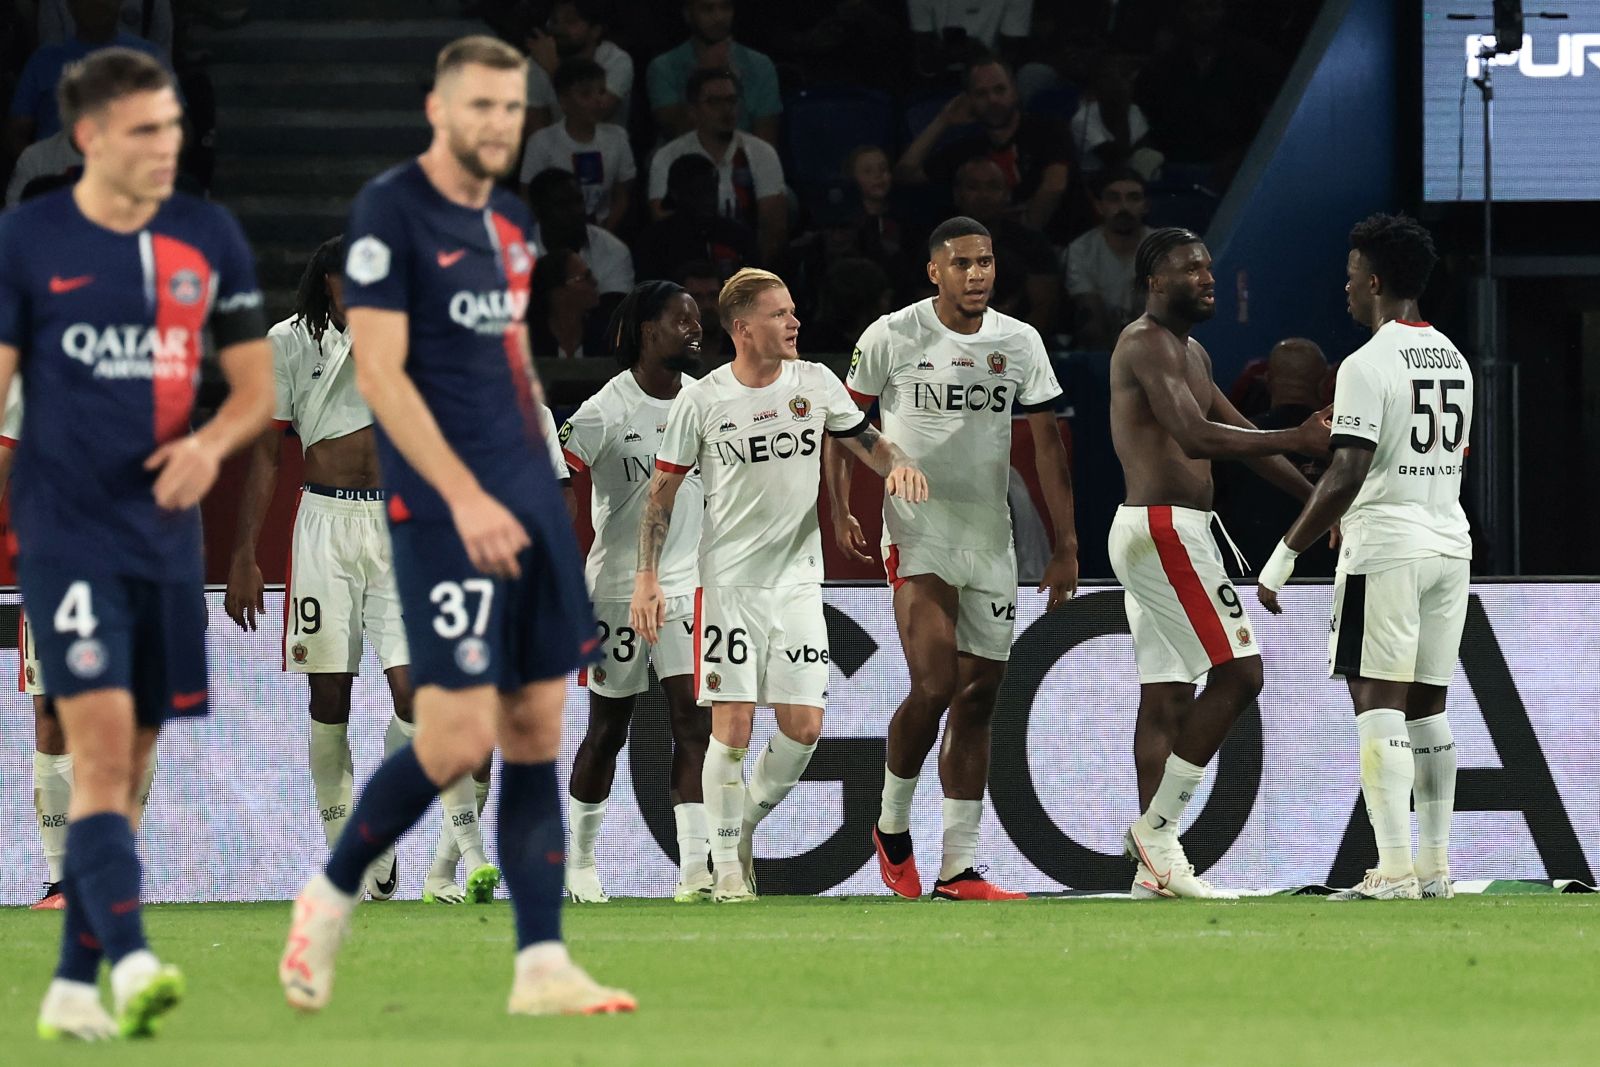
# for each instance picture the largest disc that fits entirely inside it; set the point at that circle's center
(1168, 422)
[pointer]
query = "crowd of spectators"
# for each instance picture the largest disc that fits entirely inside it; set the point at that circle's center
(823, 140)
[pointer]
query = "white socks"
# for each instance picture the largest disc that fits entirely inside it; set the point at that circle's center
(446, 854)
(722, 782)
(1387, 772)
(694, 839)
(1433, 753)
(778, 770)
(332, 775)
(146, 780)
(894, 817)
(962, 819)
(52, 794)
(583, 822)
(397, 735)
(460, 802)
(1179, 784)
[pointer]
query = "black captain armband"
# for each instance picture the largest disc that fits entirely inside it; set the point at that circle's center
(853, 431)
(1344, 440)
(238, 318)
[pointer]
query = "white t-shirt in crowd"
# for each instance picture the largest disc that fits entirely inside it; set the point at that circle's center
(1407, 394)
(618, 66)
(984, 20)
(598, 164)
(1094, 269)
(760, 457)
(749, 171)
(946, 399)
(607, 255)
(615, 436)
(1089, 131)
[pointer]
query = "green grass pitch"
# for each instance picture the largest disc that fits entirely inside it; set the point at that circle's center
(1280, 981)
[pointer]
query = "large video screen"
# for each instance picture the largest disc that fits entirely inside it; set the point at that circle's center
(232, 815)
(1547, 105)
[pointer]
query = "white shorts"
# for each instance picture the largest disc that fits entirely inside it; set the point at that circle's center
(624, 670)
(1402, 624)
(29, 678)
(1183, 611)
(761, 646)
(985, 582)
(341, 584)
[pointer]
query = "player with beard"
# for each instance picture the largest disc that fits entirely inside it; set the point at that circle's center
(436, 296)
(1168, 422)
(947, 372)
(614, 436)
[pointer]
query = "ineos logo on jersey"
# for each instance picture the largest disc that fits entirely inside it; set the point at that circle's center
(1574, 53)
(783, 445)
(952, 397)
(130, 351)
(492, 312)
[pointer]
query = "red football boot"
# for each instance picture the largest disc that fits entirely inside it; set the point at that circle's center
(902, 878)
(52, 899)
(971, 885)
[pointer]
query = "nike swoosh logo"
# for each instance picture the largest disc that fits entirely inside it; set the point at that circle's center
(66, 285)
(387, 887)
(1161, 877)
(450, 259)
(1163, 819)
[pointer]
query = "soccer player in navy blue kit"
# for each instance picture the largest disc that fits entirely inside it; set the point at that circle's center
(105, 291)
(491, 585)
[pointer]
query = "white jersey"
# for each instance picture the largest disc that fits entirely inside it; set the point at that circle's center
(315, 383)
(1407, 393)
(615, 436)
(11, 423)
(946, 400)
(760, 457)
(552, 442)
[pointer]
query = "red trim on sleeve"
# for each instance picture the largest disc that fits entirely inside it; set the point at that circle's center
(860, 398)
(282, 424)
(574, 462)
(673, 468)
(1186, 583)
(7, 442)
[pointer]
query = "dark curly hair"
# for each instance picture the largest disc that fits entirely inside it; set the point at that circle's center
(642, 304)
(1399, 249)
(1154, 248)
(312, 305)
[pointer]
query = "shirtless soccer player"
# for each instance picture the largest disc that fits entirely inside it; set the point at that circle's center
(106, 289)
(1402, 412)
(614, 436)
(1168, 421)
(948, 372)
(754, 428)
(436, 287)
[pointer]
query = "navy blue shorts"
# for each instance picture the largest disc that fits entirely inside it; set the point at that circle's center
(115, 632)
(467, 629)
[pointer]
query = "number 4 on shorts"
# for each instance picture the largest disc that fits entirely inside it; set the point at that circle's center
(75, 615)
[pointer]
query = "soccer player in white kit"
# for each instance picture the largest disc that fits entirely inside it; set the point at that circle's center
(948, 372)
(614, 436)
(1402, 415)
(755, 429)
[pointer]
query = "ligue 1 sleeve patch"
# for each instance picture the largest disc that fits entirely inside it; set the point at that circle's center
(368, 261)
(566, 432)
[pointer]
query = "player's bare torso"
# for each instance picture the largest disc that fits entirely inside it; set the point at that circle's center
(348, 462)
(1155, 469)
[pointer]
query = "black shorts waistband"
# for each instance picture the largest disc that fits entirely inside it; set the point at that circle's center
(346, 494)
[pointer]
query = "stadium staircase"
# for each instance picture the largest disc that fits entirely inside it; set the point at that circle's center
(311, 103)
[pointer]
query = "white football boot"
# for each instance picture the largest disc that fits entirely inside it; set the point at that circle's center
(72, 1012)
(1377, 886)
(1164, 871)
(583, 885)
(321, 920)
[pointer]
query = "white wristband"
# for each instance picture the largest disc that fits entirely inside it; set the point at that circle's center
(1278, 569)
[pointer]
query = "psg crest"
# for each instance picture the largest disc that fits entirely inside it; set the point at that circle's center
(185, 287)
(800, 406)
(997, 363)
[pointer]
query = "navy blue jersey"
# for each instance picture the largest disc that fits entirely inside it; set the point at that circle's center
(109, 327)
(461, 276)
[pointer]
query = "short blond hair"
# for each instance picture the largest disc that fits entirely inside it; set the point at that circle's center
(739, 294)
(481, 49)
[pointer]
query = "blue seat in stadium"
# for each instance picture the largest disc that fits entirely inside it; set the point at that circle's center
(921, 113)
(1061, 101)
(823, 124)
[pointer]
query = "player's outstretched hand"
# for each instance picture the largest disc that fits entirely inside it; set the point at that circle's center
(907, 483)
(852, 542)
(492, 535)
(246, 597)
(1061, 578)
(647, 611)
(188, 468)
(1269, 599)
(1315, 431)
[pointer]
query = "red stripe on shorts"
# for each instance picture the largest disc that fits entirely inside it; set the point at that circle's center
(288, 583)
(22, 652)
(1186, 583)
(891, 567)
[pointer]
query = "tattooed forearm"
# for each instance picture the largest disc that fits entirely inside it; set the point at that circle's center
(653, 527)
